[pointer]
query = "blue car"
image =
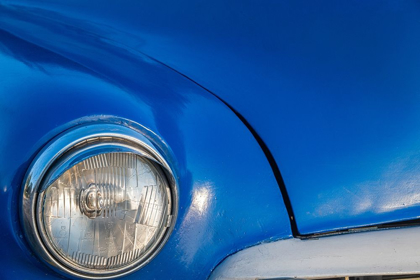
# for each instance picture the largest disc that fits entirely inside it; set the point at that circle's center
(209, 139)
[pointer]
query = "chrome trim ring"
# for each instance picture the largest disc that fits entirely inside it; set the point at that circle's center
(65, 151)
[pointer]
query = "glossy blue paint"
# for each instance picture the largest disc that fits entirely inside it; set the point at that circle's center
(229, 198)
(331, 87)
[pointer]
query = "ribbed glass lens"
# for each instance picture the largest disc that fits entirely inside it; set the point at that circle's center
(107, 211)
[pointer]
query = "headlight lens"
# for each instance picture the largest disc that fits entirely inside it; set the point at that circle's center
(106, 211)
(100, 206)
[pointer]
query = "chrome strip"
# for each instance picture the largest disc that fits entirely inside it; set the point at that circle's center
(384, 252)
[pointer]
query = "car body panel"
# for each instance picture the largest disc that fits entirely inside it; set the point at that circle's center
(215, 157)
(331, 87)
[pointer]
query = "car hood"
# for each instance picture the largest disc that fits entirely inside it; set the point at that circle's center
(331, 88)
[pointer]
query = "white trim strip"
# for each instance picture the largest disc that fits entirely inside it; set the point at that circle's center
(384, 252)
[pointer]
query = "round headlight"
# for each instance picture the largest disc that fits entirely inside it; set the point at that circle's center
(99, 202)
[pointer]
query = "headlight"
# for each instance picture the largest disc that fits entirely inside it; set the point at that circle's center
(99, 202)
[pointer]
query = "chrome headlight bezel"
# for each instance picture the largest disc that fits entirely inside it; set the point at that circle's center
(68, 149)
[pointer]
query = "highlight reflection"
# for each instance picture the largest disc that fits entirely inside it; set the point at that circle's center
(395, 188)
(195, 226)
(201, 200)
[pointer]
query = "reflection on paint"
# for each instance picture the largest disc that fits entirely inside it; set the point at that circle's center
(397, 187)
(201, 199)
(197, 217)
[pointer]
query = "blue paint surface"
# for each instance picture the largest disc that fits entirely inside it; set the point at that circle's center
(226, 185)
(331, 87)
